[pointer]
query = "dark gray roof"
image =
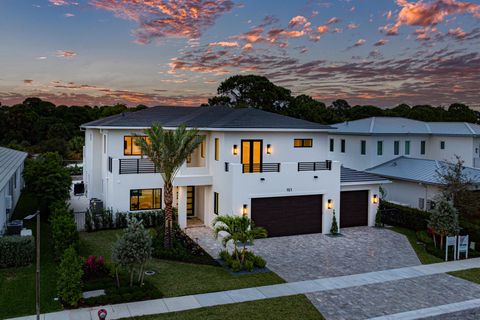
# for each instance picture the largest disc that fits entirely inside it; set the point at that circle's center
(348, 175)
(10, 160)
(205, 117)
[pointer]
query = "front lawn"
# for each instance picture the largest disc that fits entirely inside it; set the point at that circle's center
(422, 254)
(178, 278)
(472, 275)
(284, 308)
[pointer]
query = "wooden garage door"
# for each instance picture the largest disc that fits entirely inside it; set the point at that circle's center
(354, 209)
(284, 216)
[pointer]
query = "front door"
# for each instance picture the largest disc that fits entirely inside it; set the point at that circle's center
(190, 201)
(252, 155)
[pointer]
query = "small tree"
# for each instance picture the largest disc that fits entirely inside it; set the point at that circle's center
(444, 220)
(334, 227)
(132, 250)
(69, 282)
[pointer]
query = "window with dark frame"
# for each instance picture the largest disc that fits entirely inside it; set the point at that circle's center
(363, 147)
(407, 147)
(215, 202)
(396, 148)
(129, 146)
(422, 146)
(302, 143)
(379, 148)
(217, 149)
(342, 146)
(442, 145)
(145, 199)
(332, 145)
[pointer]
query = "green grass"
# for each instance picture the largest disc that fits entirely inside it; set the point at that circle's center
(284, 308)
(17, 285)
(472, 275)
(174, 278)
(422, 254)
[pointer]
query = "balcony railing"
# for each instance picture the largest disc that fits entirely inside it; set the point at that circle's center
(260, 167)
(135, 166)
(315, 166)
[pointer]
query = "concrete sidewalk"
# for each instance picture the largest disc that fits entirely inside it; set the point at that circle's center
(196, 301)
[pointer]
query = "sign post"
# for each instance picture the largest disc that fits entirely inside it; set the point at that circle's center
(462, 246)
(451, 242)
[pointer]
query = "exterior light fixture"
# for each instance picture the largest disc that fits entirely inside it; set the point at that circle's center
(269, 148)
(329, 204)
(244, 210)
(235, 149)
(375, 199)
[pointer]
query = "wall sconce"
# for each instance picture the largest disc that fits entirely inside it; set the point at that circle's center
(235, 149)
(244, 210)
(269, 148)
(329, 204)
(375, 199)
(315, 177)
(262, 179)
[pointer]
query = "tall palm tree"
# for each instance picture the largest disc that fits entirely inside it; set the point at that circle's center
(168, 150)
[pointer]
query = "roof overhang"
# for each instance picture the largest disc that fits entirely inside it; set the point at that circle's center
(362, 183)
(213, 129)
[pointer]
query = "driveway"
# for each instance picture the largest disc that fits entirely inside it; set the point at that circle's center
(357, 250)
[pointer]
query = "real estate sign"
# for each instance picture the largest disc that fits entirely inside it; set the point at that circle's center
(462, 246)
(451, 242)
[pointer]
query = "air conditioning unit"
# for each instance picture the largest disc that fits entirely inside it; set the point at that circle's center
(9, 202)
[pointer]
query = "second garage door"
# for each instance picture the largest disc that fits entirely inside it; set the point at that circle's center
(284, 216)
(354, 209)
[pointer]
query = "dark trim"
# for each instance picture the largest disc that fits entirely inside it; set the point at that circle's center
(153, 199)
(216, 199)
(192, 211)
(131, 146)
(251, 164)
(303, 140)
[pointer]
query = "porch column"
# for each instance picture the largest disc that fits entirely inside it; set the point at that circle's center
(182, 207)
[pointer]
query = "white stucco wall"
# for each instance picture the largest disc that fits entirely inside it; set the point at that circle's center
(409, 193)
(13, 188)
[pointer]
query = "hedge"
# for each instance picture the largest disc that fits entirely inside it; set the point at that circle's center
(107, 220)
(16, 251)
(401, 216)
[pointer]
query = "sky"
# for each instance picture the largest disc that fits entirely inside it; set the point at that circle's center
(174, 52)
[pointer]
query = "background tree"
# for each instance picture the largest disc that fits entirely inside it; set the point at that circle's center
(47, 179)
(168, 150)
(444, 219)
(69, 280)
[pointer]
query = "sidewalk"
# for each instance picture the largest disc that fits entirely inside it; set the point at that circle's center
(166, 305)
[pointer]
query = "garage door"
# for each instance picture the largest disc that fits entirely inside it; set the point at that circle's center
(284, 216)
(354, 208)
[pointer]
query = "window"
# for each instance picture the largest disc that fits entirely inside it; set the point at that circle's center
(202, 149)
(145, 199)
(217, 149)
(332, 145)
(363, 147)
(396, 148)
(104, 143)
(215, 203)
(407, 147)
(379, 148)
(421, 203)
(422, 147)
(342, 145)
(303, 143)
(15, 180)
(442, 145)
(130, 148)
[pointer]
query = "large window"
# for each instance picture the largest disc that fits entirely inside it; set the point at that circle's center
(363, 147)
(332, 145)
(215, 202)
(145, 199)
(342, 146)
(422, 147)
(303, 143)
(379, 148)
(130, 148)
(396, 148)
(407, 147)
(217, 149)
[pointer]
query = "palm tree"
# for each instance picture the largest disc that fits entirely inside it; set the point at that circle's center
(168, 150)
(228, 225)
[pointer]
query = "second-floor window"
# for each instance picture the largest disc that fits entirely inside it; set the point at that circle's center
(145, 199)
(332, 145)
(442, 145)
(342, 145)
(217, 149)
(422, 147)
(396, 148)
(407, 147)
(303, 143)
(363, 147)
(130, 148)
(379, 148)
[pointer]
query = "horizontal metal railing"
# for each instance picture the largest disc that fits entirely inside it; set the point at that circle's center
(136, 166)
(315, 166)
(260, 167)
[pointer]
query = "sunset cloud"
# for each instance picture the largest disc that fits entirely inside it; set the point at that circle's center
(224, 44)
(297, 20)
(380, 42)
(352, 26)
(28, 81)
(65, 54)
(167, 18)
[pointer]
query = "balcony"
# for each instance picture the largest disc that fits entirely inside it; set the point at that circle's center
(260, 167)
(136, 166)
(315, 166)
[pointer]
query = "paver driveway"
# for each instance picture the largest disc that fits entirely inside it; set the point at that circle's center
(358, 250)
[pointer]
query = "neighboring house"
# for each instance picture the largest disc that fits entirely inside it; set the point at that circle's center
(366, 143)
(273, 168)
(11, 182)
(417, 182)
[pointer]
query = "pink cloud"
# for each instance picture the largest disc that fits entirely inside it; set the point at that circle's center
(333, 20)
(69, 15)
(226, 44)
(322, 29)
(167, 18)
(28, 81)
(359, 42)
(380, 42)
(65, 54)
(457, 33)
(352, 26)
(297, 20)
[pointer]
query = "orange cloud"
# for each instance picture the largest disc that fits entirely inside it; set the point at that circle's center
(297, 20)
(224, 44)
(65, 54)
(322, 29)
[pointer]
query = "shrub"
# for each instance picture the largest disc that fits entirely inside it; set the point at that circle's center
(249, 265)
(64, 230)
(16, 251)
(423, 236)
(401, 216)
(334, 228)
(260, 262)
(69, 282)
(236, 266)
(94, 267)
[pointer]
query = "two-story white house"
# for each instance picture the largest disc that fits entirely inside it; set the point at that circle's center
(273, 168)
(410, 153)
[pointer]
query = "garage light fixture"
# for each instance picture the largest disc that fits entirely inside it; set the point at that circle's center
(329, 204)
(375, 199)
(235, 149)
(244, 210)
(269, 149)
